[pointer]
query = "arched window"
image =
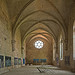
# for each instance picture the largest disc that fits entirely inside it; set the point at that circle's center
(54, 50)
(74, 41)
(61, 49)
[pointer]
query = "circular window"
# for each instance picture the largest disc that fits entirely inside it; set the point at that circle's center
(38, 44)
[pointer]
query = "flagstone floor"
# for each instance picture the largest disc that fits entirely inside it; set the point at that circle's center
(32, 70)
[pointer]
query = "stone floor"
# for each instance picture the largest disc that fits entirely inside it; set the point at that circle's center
(32, 70)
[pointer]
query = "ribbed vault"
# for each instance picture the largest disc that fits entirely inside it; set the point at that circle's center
(29, 15)
(39, 33)
(38, 29)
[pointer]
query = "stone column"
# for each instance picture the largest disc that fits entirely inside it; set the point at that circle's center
(13, 49)
(56, 47)
(22, 52)
(13, 45)
(22, 49)
(66, 44)
(4, 61)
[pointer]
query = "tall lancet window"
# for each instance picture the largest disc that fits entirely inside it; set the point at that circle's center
(54, 50)
(61, 49)
(74, 41)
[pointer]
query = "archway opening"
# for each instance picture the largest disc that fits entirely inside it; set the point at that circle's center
(40, 48)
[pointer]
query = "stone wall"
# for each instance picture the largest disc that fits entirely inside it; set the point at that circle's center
(70, 38)
(18, 43)
(68, 54)
(5, 35)
(44, 53)
(6, 38)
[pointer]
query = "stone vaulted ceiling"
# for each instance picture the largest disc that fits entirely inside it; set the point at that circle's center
(49, 16)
